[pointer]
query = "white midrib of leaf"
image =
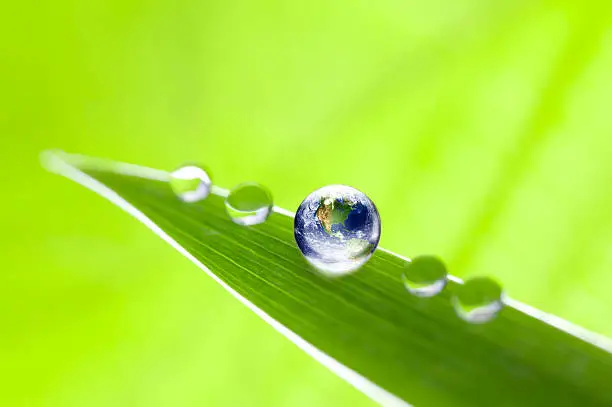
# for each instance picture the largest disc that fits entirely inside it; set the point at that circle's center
(69, 166)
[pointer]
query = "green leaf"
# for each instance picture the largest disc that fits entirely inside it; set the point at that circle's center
(397, 348)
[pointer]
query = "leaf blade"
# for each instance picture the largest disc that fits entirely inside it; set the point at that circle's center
(364, 327)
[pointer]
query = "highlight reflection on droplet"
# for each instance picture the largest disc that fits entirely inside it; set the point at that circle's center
(425, 276)
(478, 300)
(249, 204)
(190, 183)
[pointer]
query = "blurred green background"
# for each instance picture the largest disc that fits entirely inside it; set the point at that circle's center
(482, 130)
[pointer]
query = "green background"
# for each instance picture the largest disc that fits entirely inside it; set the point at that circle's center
(482, 130)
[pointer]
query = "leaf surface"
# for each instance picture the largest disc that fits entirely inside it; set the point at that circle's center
(397, 348)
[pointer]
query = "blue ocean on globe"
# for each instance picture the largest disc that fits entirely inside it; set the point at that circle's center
(337, 228)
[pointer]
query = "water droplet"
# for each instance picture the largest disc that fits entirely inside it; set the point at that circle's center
(478, 300)
(190, 183)
(425, 276)
(337, 228)
(249, 204)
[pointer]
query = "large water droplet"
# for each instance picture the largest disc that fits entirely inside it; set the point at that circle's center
(337, 228)
(190, 183)
(425, 276)
(478, 300)
(249, 204)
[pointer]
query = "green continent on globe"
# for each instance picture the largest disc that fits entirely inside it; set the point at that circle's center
(333, 212)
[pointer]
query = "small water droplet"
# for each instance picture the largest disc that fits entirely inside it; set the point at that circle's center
(190, 183)
(249, 204)
(337, 228)
(425, 276)
(478, 300)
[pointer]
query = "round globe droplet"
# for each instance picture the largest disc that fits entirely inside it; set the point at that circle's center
(479, 300)
(249, 204)
(190, 183)
(337, 228)
(425, 276)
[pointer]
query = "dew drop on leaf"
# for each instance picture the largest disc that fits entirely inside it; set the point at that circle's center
(249, 204)
(425, 276)
(190, 183)
(337, 229)
(479, 300)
